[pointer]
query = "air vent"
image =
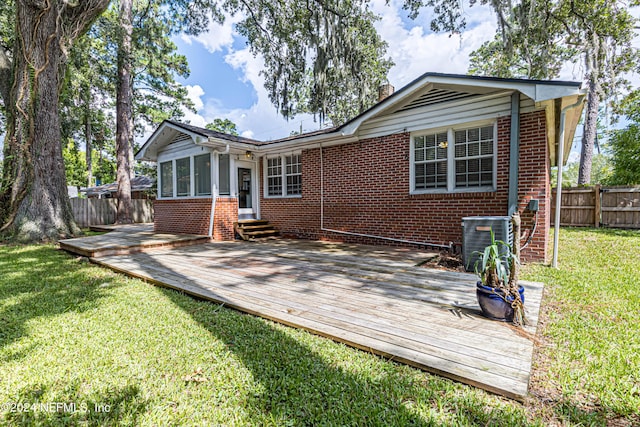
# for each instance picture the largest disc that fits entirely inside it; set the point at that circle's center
(476, 235)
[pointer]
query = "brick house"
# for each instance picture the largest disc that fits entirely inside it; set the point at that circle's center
(404, 172)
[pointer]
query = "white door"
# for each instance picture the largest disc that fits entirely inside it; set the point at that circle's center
(247, 189)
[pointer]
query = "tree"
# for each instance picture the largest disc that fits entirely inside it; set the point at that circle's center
(625, 149)
(326, 59)
(86, 103)
(33, 196)
(75, 164)
(224, 126)
(602, 169)
(124, 116)
(535, 34)
(142, 44)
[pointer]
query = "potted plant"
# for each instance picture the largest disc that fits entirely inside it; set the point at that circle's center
(499, 295)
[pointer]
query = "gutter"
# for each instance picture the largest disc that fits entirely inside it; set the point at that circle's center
(559, 163)
(514, 153)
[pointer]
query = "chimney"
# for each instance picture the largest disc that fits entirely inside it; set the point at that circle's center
(385, 90)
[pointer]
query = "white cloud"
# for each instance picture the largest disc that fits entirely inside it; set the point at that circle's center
(195, 94)
(417, 50)
(218, 36)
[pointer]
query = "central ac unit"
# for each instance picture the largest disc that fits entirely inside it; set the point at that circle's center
(476, 235)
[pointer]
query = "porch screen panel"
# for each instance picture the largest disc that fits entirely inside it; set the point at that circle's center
(474, 157)
(166, 179)
(293, 173)
(183, 177)
(202, 169)
(223, 175)
(430, 156)
(274, 176)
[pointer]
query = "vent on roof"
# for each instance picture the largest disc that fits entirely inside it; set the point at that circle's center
(436, 96)
(181, 137)
(476, 235)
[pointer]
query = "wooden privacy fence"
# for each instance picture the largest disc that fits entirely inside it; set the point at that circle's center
(103, 211)
(616, 207)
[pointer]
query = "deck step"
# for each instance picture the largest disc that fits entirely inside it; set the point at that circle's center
(250, 222)
(255, 229)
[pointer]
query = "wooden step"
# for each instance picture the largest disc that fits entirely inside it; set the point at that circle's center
(262, 233)
(255, 229)
(249, 222)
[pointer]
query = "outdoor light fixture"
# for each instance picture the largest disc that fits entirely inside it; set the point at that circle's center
(249, 154)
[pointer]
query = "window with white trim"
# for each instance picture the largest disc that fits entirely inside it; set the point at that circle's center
(202, 170)
(474, 157)
(274, 176)
(223, 174)
(293, 173)
(166, 179)
(430, 167)
(456, 159)
(183, 177)
(283, 176)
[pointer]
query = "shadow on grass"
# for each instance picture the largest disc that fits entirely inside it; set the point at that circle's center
(38, 281)
(121, 407)
(302, 386)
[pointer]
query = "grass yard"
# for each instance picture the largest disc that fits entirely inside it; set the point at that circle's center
(128, 353)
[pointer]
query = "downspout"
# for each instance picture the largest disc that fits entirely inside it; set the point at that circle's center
(214, 195)
(514, 153)
(348, 233)
(559, 163)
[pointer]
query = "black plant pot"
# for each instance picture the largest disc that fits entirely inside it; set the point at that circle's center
(493, 303)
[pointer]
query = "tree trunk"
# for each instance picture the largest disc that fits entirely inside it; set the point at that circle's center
(590, 131)
(124, 134)
(34, 204)
(87, 137)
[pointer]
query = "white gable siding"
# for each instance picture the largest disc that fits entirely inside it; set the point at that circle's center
(181, 146)
(482, 107)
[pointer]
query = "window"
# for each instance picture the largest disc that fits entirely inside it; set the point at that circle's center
(202, 168)
(283, 176)
(223, 175)
(183, 177)
(293, 174)
(430, 161)
(474, 157)
(455, 159)
(274, 176)
(166, 179)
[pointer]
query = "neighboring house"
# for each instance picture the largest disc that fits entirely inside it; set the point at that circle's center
(142, 187)
(405, 171)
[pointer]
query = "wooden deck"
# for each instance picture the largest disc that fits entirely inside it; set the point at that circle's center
(371, 298)
(126, 239)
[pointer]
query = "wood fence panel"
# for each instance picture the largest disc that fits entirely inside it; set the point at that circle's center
(578, 207)
(89, 212)
(621, 207)
(617, 207)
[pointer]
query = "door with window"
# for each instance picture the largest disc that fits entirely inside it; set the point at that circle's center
(246, 190)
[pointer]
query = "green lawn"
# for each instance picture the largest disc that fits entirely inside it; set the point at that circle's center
(73, 333)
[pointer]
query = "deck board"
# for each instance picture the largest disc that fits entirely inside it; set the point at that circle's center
(373, 299)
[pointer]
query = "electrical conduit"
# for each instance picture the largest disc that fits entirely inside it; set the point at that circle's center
(349, 233)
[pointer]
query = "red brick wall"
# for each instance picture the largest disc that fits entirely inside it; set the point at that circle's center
(191, 216)
(226, 214)
(366, 190)
(188, 216)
